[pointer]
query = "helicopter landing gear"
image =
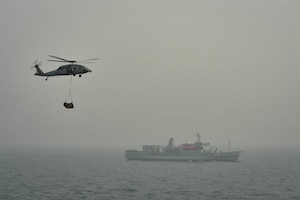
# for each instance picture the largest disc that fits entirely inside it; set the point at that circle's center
(79, 75)
(46, 78)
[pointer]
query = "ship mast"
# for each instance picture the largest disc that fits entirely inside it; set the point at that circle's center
(198, 136)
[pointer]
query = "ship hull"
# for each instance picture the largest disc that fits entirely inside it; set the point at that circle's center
(183, 156)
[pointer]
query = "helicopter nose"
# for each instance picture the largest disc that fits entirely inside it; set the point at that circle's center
(87, 70)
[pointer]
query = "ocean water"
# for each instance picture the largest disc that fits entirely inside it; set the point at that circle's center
(258, 175)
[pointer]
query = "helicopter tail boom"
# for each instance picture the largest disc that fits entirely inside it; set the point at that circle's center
(39, 72)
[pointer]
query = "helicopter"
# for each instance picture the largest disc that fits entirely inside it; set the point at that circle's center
(64, 70)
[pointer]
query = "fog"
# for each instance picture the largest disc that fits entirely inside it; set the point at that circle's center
(228, 70)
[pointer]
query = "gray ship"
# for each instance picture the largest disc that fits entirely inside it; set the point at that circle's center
(197, 151)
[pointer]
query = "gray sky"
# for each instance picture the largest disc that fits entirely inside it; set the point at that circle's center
(228, 69)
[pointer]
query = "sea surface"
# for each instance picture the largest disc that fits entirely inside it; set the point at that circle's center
(61, 175)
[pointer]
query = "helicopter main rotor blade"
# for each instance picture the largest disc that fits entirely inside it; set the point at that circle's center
(57, 61)
(59, 58)
(85, 62)
(71, 61)
(91, 59)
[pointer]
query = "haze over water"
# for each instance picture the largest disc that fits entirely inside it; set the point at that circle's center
(106, 175)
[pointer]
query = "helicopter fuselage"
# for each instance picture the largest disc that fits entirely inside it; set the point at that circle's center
(64, 70)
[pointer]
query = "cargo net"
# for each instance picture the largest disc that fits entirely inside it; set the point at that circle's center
(69, 101)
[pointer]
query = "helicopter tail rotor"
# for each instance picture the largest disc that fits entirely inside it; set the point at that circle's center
(37, 65)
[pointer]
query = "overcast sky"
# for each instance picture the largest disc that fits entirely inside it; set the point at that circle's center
(227, 69)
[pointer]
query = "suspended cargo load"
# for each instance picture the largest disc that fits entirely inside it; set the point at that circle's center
(69, 105)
